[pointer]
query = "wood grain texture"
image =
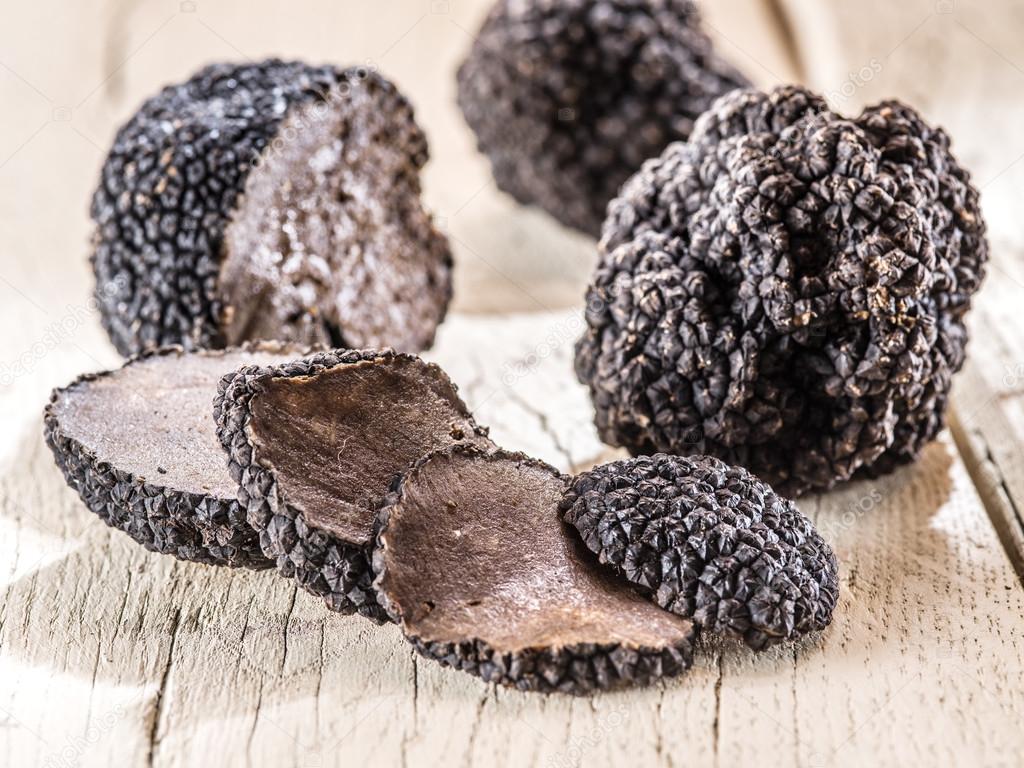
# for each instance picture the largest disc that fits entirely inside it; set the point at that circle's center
(115, 653)
(113, 656)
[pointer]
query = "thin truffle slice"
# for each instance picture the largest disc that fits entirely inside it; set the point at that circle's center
(568, 99)
(711, 542)
(475, 564)
(269, 200)
(316, 444)
(140, 448)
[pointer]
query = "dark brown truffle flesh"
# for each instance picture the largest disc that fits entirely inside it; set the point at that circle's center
(709, 541)
(139, 446)
(269, 200)
(568, 99)
(316, 444)
(786, 291)
(475, 565)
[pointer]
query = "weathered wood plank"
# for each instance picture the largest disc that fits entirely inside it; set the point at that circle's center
(988, 422)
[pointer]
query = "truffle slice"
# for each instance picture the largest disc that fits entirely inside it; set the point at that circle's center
(567, 99)
(315, 445)
(269, 200)
(711, 542)
(786, 291)
(475, 564)
(140, 448)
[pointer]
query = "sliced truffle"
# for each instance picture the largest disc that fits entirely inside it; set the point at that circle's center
(711, 542)
(786, 291)
(269, 200)
(568, 99)
(139, 446)
(316, 444)
(475, 565)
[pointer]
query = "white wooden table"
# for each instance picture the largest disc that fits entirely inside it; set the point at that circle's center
(110, 655)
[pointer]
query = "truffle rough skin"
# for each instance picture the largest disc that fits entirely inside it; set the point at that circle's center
(475, 565)
(315, 446)
(710, 542)
(166, 488)
(269, 200)
(786, 291)
(568, 99)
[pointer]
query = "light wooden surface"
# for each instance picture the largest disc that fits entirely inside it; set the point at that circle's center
(113, 656)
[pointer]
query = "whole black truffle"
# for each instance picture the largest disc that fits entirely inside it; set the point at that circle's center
(139, 446)
(270, 200)
(568, 97)
(475, 565)
(315, 445)
(711, 542)
(786, 291)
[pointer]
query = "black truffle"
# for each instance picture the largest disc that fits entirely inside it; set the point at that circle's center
(315, 445)
(786, 291)
(474, 563)
(711, 542)
(270, 200)
(138, 445)
(567, 99)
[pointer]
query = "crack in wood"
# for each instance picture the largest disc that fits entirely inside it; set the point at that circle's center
(475, 728)
(287, 621)
(659, 736)
(545, 426)
(993, 489)
(715, 730)
(406, 736)
(124, 604)
(255, 722)
(92, 687)
(796, 710)
(158, 702)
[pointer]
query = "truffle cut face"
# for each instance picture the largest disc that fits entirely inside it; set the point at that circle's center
(708, 541)
(324, 245)
(269, 200)
(139, 444)
(336, 440)
(481, 573)
(786, 291)
(317, 444)
(568, 99)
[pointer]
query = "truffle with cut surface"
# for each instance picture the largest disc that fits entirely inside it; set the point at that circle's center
(786, 291)
(569, 97)
(474, 563)
(315, 445)
(139, 446)
(269, 200)
(711, 542)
